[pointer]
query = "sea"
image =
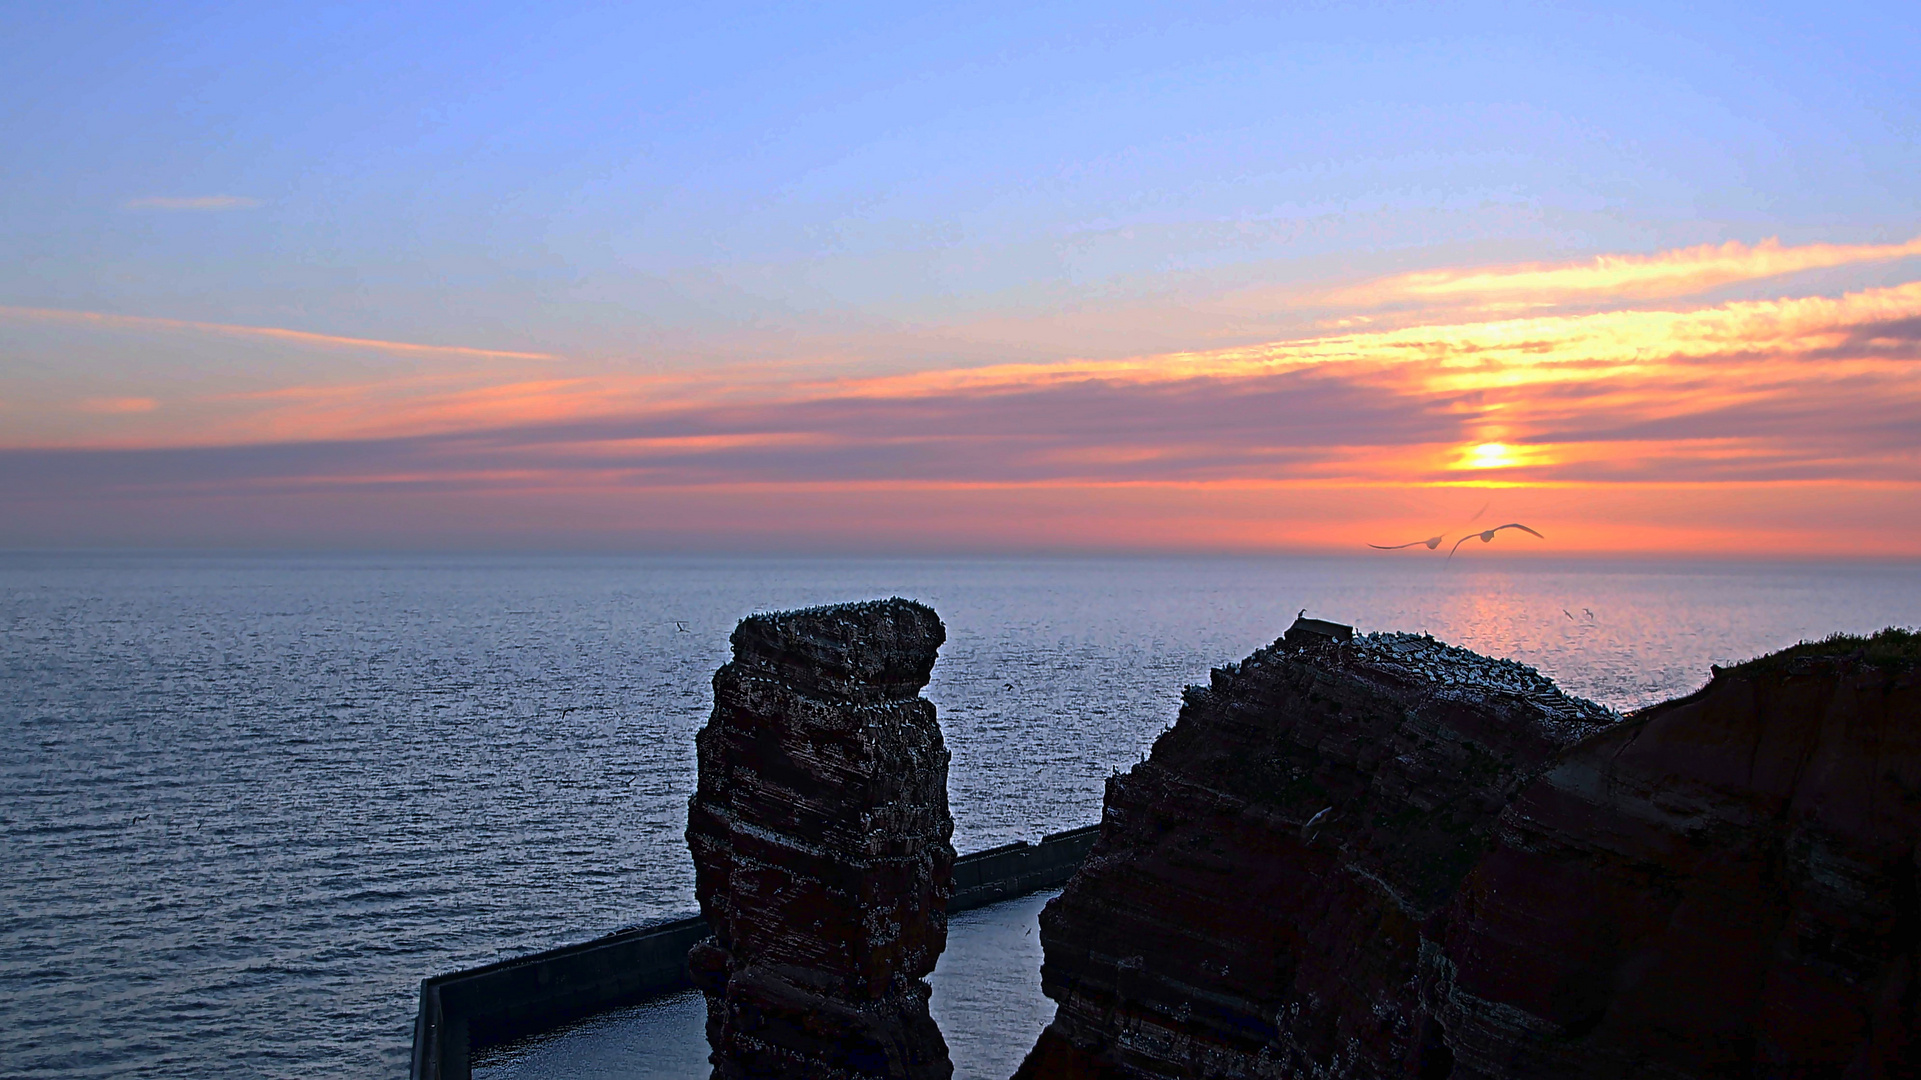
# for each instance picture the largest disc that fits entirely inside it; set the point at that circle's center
(248, 801)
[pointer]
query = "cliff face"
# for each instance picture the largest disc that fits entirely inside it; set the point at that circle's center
(1503, 882)
(1724, 885)
(1256, 901)
(820, 831)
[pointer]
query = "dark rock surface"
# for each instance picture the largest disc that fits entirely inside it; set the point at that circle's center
(1255, 904)
(1388, 858)
(1724, 885)
(820, 836)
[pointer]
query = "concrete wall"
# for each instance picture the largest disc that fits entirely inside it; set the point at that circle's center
(503, 1001)
(1010, 870)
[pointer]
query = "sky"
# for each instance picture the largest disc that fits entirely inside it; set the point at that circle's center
(982, 279)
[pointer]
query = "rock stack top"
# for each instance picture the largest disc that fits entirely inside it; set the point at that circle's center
(875, 648)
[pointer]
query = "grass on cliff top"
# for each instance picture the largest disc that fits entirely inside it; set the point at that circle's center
(1893, 647)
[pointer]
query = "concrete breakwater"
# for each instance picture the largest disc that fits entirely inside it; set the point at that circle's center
(464, 1011)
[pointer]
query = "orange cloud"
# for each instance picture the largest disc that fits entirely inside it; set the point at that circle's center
(1682, 272)
(1787, 425)
(1570, 392)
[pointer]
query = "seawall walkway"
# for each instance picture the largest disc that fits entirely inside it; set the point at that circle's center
(484, 1006)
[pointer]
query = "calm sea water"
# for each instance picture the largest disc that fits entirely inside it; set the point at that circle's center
(247, 803)
(987, 1000)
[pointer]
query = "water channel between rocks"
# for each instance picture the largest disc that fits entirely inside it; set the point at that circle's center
(987, 999)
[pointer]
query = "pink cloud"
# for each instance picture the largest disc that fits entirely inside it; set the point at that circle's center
(1756, 411)
(117, 406)
(191, 202)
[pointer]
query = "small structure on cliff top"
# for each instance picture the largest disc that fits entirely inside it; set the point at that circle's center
(1306, 630)
(820, 836)
(1504, 882)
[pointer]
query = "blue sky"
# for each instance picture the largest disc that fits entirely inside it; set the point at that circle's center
(676, 186)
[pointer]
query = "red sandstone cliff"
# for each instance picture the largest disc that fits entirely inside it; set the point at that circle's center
(1724, 885)
(1388, 858)
(1255, 904)
(820, 834)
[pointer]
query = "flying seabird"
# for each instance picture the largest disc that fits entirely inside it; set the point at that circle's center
(1432, 542)
(1488, 536)
(1307, 829)
(682, 627)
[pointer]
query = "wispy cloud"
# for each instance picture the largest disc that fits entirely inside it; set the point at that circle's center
(1682, 272)
(1719, 426)
(118, 406)
(191, 202)
(303, 337)
(1826, 386)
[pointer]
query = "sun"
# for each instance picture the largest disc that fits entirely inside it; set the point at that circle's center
(1491, 455)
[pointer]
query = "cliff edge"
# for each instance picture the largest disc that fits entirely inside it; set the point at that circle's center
(1381, 856)
(1256, 901)
(1723, 885)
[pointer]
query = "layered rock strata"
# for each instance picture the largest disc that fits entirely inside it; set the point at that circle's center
(820, 834)
(1724, 885)
(1387, 858)
(1256, 901)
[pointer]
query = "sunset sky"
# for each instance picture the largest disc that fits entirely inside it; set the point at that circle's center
(1235, 278)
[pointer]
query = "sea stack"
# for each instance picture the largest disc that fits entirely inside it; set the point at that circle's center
(820, 835)
(1257, 902)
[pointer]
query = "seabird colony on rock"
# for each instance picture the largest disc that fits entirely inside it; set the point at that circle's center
(1421, 657)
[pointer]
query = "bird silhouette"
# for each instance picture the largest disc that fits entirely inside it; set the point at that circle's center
(1487, 536)
(682, 627)
(1568, 613)
(1432, 542)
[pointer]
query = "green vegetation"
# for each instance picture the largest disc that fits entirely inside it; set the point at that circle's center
(1893, 647)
